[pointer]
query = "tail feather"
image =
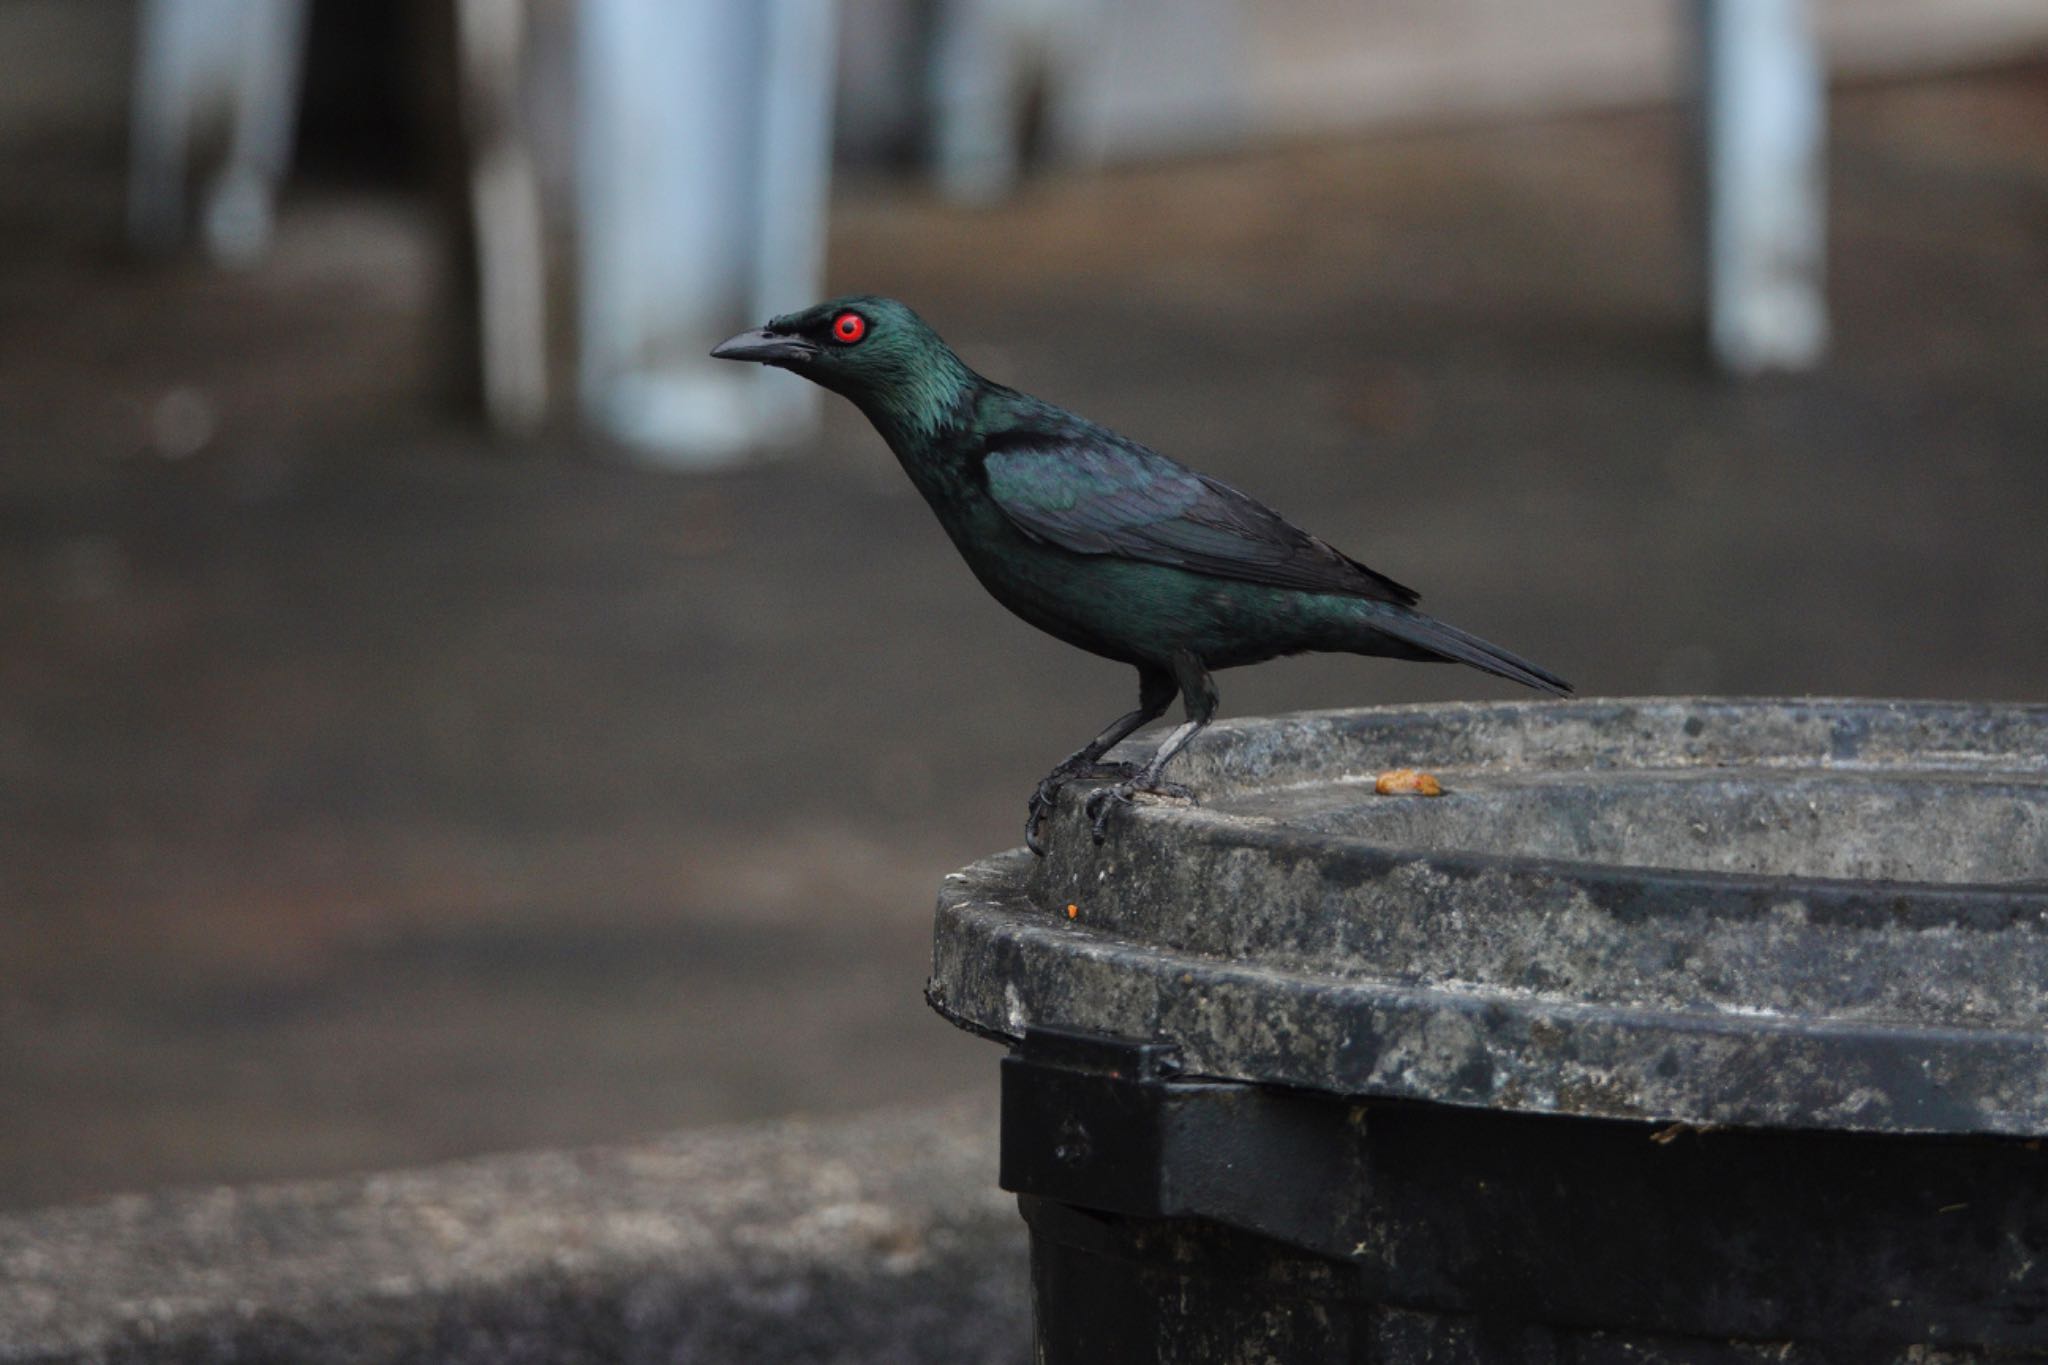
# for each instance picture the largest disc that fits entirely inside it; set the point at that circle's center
(1443, 641)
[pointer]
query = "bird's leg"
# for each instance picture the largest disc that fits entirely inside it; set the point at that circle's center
(1155, 694)
(1198, 692)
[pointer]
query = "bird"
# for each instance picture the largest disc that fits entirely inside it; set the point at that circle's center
(1105, 543)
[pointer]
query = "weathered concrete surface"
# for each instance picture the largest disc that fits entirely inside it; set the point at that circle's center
(878, 1239)
(1816, 914)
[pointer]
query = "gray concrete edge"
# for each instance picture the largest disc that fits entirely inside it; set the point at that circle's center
(876, 1238)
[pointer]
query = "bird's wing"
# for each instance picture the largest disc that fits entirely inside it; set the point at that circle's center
(1095, 493)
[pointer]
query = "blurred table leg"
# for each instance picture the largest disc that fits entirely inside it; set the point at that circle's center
(1764, 129)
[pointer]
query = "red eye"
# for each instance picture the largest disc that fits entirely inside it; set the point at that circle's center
(849, 327)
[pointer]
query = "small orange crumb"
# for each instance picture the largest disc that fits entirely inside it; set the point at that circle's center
(1073, 910)
(1408, 782)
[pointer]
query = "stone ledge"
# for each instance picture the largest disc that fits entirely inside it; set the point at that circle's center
(879, 1238)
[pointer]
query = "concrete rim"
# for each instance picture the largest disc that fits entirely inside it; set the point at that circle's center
(1840, 1034)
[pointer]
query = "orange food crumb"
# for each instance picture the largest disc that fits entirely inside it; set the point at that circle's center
(1408, 782)
(1073, 910)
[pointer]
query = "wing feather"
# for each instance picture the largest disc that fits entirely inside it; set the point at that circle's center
(1093, 492)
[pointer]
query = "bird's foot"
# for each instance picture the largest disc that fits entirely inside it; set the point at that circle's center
(1041, 803)
(1101, 803)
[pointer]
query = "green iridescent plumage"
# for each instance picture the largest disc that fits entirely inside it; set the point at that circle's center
(1101, 541)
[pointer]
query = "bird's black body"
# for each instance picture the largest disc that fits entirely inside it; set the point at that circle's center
(1102, 542)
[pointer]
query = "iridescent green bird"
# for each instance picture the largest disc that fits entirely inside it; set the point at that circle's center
(1105, 543)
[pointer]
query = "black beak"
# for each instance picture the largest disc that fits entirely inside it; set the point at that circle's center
(770, 348)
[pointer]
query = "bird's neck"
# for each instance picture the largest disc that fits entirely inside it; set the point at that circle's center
(929, 427)
(911, 415)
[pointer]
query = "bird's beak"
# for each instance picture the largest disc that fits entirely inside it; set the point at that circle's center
(770, 348)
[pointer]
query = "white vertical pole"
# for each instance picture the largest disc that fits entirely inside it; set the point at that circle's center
(241, 204)
(1764, 127)
(664, 107)
(703, 146)
(793, 179)
(978, 60)
(207, 72)
(167, 67)
(505, 212)
(188, 56)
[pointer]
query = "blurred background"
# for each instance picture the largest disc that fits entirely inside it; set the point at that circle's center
(441, 712)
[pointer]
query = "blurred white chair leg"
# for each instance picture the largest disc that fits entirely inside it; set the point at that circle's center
(793, 180)
(981, 54)
(505, 213)
(697, 119)
(189, 55)
(241, 203)
(171, 68)
(1763, 121)
(216, 81)
(1130, 78)
(1147, 77)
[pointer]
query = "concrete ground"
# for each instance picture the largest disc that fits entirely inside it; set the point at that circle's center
(374, 792)
(876, 1238)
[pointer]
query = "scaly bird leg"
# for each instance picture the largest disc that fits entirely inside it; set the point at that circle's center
(1155, 694)
(1198, 692)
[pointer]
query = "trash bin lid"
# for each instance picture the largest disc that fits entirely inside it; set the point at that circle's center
(1812, 913)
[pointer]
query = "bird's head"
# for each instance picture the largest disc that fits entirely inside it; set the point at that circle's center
(875, 351)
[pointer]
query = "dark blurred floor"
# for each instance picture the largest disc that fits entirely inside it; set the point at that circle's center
(371, 793)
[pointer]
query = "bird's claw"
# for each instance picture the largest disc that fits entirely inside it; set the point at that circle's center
(1098, 807)
(1034, 823)
(1101, 802)
(1039, 808)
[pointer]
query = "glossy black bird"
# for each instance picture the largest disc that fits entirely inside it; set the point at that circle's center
(1102, 542)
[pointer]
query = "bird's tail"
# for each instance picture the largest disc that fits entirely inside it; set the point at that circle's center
(1434, 639)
